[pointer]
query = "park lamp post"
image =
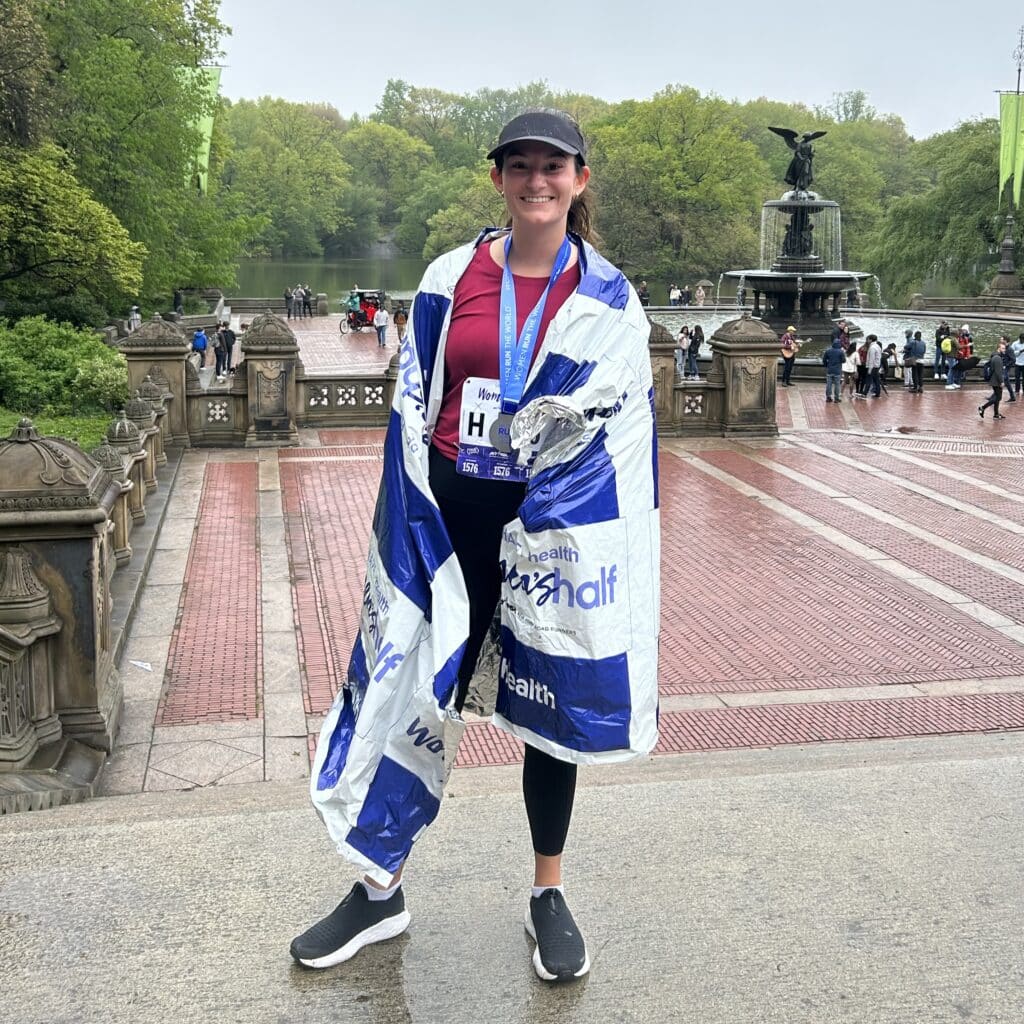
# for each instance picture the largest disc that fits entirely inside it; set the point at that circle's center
(1011, 177)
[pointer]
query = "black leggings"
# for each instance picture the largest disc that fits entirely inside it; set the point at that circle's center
(474, 512)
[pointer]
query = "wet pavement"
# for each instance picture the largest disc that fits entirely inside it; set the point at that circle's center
(826, 831)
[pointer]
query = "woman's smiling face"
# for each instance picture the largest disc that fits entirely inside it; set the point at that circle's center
(539, 183)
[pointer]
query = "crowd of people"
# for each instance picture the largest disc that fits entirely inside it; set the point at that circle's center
(688, 343)
(862, 370)
(223, 349)
(686, 296)
(298, 301)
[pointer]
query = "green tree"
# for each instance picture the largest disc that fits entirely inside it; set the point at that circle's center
(436, 188)
(479, 206)
(387, 158)
(128, 116)
(60, 250)
(852, 105)
(679, 189)
(23, 68)
(948, 227)
(285, 169)
(58, 370)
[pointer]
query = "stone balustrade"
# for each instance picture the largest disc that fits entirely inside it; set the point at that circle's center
(65, 522)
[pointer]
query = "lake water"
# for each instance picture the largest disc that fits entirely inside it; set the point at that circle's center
(263, 278)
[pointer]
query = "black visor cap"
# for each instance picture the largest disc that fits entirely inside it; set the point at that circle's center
(542, 127)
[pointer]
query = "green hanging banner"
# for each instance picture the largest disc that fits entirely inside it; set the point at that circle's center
(211, 82)
(1011, 143)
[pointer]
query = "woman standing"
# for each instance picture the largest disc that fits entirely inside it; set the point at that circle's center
(693, 351)
(682, 352)
(519, 468)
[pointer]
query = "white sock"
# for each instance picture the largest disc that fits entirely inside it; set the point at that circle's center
(374, 894)
(539, 890)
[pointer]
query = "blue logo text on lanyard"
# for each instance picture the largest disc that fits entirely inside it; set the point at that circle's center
(516, 355)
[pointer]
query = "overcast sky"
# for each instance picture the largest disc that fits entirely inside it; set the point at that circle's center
(933, 63)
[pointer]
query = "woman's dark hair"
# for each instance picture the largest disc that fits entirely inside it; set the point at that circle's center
(699, 331)
(581, 212)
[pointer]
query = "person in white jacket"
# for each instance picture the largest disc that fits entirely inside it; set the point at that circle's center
(519, 478)
(380, 322)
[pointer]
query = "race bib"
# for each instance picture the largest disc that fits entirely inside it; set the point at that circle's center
(484, 445)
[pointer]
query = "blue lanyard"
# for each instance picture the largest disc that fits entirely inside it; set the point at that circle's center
(516, 355)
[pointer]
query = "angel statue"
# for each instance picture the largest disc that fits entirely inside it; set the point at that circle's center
(800, 172)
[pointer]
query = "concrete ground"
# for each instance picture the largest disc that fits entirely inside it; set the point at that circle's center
(829, 829)
(870, 883)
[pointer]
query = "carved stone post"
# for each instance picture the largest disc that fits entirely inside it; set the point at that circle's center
(271, 358)
(55, 502)
(661, 346)
(123, 437)
(27, 716)
(114, 463)
(140, 412)
(746, 354)
(154, 394)
(159, 349)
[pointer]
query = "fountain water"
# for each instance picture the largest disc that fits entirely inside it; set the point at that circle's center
(801, 275)
(880, 304)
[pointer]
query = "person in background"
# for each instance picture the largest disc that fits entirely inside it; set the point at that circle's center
(307, 301)
(907, 359)
(849, 365)
(996, 380)
(682, 352)
(134, 318)
(674, 295)
(832, 359)
(1018, 362)
(229, 346)
(873, 365)
(179, 302)
(380, 324)
(693, 351)
(940, 357)
(199, 343)
(963, 348)
(289, 302)
(686, 296)
(890, 359)
(220, 353)
(401, 318)
(643, 294)
(700, 295)
(790, 346)
(1008, 368)
(916, 363)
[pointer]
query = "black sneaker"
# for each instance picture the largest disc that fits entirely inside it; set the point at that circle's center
(355, 922)
(561, 953)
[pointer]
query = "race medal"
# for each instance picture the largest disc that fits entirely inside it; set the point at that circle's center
(501, 433)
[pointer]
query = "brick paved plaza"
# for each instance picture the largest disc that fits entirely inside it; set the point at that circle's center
(858, 578)
(829, 829)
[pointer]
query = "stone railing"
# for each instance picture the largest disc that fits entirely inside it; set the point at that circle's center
(346, 401)
(978, 307)
(66, 524)
(737, 395)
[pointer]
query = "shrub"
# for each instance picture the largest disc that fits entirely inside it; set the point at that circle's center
(58, 369)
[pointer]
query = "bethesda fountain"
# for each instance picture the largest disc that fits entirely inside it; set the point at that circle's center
(801, 280)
